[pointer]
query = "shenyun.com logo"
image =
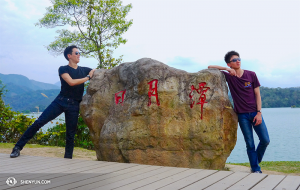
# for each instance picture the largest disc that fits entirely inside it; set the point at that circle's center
(11, 181)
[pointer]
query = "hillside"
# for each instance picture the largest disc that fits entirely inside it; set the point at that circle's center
(23, 81)
(27, 101)
(25, 95)
(278, 97)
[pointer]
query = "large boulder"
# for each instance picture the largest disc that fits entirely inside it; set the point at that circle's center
(188, 121)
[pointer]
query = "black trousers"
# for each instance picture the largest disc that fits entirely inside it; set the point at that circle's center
(61, 104)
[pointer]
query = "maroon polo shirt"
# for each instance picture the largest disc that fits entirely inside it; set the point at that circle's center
(242, 91)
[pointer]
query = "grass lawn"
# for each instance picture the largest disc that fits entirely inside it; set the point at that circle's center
(11, 145)
(49, 151)
(279, 166)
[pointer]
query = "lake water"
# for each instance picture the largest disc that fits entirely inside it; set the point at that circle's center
(59, 119)
(284, 131)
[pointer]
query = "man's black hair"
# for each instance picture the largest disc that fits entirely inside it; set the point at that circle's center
(229, 55)
(68, 50)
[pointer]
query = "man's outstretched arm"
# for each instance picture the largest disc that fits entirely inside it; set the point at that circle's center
(74, 82)
(231, 71)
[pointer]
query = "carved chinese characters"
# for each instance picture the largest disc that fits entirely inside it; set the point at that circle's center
(118, 96)
(201, 90)
(153, 91)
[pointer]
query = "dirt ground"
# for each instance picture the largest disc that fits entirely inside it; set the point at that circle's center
(57, 152)
(83, 154)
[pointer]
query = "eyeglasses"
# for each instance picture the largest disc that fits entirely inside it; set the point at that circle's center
(76, 53)
(235, 60)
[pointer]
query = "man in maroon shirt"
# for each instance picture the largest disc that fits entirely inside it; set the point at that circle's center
(244, 88)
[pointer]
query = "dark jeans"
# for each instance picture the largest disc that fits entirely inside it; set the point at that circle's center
(61, 104)
(246, 125)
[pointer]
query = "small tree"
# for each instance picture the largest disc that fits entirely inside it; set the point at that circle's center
(99, 23)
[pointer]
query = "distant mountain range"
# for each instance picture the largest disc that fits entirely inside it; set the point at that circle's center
(23, 81)
(25, 94)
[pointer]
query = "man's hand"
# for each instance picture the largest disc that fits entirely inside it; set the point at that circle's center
(231, 72)
(91, 73)
(257, 119)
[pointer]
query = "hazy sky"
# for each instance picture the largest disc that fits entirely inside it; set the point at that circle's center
(185, 34)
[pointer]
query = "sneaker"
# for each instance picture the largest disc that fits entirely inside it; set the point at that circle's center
(15, 152)
(259, 172)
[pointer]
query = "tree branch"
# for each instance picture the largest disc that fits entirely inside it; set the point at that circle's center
(80, 28)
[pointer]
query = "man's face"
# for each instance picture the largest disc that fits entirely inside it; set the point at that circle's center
(235, 62)
(75, 56)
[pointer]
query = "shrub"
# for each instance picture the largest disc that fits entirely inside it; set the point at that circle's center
(13, 124)
(56, 136)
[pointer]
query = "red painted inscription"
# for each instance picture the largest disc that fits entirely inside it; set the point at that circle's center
(202, 99)
(118, 96)
(153, 91)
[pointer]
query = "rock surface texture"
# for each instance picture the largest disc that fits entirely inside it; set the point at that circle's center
(149, 113)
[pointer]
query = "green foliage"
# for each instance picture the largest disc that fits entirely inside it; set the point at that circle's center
(2, 90)
(56, 136)
(29, 100)
(82, 138)
(278, 97)
(13, 124)
(100, 24)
